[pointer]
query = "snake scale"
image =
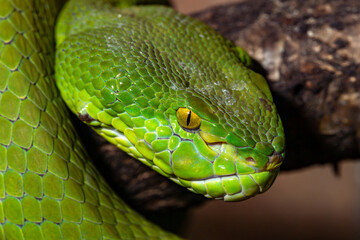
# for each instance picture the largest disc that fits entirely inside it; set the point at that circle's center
(164, 88)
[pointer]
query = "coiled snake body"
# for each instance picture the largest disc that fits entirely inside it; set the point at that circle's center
(163, 87)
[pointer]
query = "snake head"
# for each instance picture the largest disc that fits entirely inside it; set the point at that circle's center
(227, 154)
(175, 95)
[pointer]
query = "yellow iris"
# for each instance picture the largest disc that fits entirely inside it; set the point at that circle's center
(187, 118)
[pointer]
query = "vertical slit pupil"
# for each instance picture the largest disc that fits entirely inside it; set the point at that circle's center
(188, 118)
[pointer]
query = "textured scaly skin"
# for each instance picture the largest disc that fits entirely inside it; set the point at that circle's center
(48, 188)
(126, 72)
(138, 66)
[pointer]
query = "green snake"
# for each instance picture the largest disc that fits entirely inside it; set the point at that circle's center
(163, 87)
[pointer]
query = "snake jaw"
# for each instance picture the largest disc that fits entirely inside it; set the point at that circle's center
(236, 177)
(234, 187)
(221, 170)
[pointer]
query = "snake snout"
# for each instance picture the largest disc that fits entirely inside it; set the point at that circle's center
(275, 160)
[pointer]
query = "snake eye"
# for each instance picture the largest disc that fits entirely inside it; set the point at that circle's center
(188, 119)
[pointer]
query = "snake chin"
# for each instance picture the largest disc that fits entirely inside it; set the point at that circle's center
(233, 188)
(249, 179)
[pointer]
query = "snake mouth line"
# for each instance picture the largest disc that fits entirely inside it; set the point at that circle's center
(236, 187)
(274, 160)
